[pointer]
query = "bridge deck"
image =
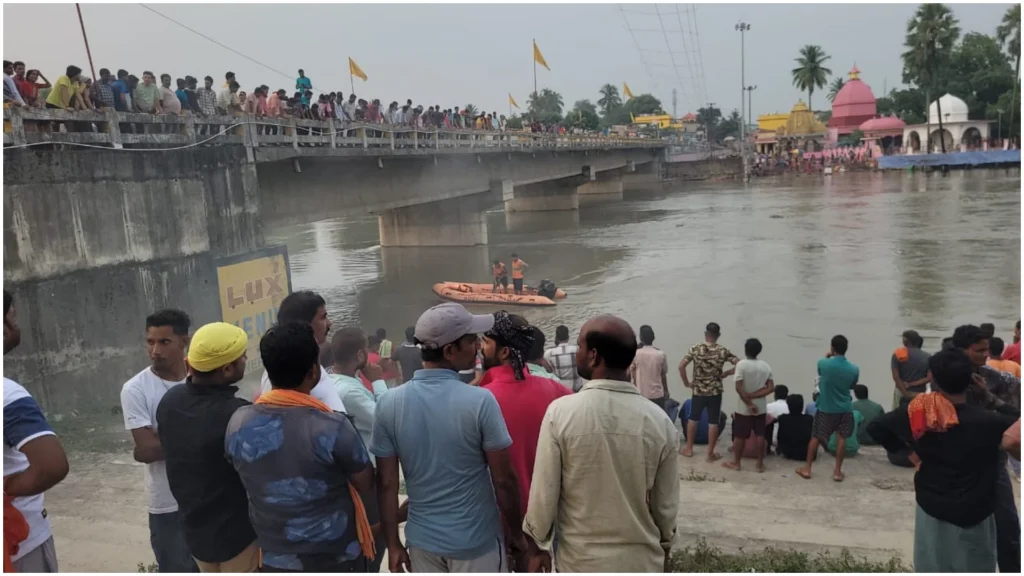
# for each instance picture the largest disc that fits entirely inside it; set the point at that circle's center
(280, 138)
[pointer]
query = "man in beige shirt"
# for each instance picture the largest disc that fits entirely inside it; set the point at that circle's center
(649, 371)
(605, 479)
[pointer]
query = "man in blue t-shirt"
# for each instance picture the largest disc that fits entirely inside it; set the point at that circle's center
(837, 376)
(459, 474)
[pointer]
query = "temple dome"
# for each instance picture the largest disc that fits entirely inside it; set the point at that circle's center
(953, 109)
(884, 123)
(853, 105)
(854, 92)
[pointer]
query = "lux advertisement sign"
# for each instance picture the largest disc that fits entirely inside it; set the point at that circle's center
(251, 288)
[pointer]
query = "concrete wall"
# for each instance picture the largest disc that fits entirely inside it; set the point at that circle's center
(96, 240)
(704, 169)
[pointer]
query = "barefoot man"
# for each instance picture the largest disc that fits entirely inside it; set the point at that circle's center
(753, 383)
(708, 360)
(835, 407)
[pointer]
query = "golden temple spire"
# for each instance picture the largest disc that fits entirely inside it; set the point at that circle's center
(854, 72)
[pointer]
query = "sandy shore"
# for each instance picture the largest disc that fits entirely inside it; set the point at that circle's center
(100, 522)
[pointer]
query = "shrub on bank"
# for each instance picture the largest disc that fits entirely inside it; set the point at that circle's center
(703, 557)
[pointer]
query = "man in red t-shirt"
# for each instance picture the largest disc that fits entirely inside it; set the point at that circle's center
(523, 398)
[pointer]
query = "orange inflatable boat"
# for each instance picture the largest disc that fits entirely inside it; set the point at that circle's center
(481, 294)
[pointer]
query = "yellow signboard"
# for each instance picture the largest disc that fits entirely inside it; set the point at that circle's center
(251, 288)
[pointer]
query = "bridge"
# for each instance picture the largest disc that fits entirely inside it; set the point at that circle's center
(123, 214)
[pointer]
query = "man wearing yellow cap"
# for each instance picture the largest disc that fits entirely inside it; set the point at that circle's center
(191, 421)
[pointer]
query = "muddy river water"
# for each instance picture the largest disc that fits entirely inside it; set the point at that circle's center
(789, 261)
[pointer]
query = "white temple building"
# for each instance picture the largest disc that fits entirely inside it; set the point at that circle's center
(958, 131)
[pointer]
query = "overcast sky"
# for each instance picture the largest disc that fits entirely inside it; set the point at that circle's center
(477, 53)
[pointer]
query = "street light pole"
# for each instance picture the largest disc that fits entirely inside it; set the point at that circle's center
(742, 27)
(750, 103)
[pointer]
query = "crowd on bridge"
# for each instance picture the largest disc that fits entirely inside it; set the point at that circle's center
(125, 92)
(514, 456)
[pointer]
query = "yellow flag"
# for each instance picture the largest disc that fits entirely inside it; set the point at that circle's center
(512, 101)
(538, 57)
(355, 70)
(626, 91)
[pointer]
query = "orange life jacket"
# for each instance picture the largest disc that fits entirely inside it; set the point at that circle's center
(517, 269)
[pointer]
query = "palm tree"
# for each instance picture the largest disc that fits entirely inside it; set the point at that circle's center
(1009, 30)
(470, 110)
(835, 87)
(811, 72)
(931, 34)
(609, 98)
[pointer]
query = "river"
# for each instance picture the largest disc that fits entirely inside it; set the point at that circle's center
(791, 261)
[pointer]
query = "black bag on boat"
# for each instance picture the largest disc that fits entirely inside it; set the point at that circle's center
(546, 288)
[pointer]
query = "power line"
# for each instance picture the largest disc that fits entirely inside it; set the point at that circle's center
(700, 58)
(671, 56)
(694, 61)
(689, 58)
(226, 47)
(639, 50)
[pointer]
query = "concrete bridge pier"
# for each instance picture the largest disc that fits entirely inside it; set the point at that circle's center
(643, 181)
(548, 196)
(455, 222)
(603, 188)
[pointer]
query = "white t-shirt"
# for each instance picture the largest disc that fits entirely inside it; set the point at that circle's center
(754, 374)
(139, 398)
(777, 408)
(324, 391)
(24, 422)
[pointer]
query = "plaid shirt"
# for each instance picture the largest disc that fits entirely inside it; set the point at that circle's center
(207, 101)
(102, 94)
(563, 360)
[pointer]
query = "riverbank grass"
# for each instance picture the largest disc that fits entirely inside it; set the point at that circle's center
(702, 557)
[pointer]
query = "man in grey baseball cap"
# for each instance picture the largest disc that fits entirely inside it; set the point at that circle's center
(447, 323)
(445, 433)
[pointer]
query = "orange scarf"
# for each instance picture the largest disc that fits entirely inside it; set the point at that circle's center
(931, 412)
(293, 399)
(15, 531)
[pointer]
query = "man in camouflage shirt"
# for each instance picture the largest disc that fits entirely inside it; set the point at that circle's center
(708, 359)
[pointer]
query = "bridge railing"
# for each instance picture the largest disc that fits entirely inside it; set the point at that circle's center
(111, 129)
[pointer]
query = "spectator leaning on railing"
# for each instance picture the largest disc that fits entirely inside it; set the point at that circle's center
(121, 91)
(147, 96)
(62, 96)
(102, 91)
(227, 100)
(28, 85)
(11, 95)
(207, 98)
(169, 100)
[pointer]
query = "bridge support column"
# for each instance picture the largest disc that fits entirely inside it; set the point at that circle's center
(458, 222)
(643, 181)
(551, 196)
(606, 187)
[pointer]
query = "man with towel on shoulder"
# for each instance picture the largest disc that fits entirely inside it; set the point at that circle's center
(303, 465)
(191, 421)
